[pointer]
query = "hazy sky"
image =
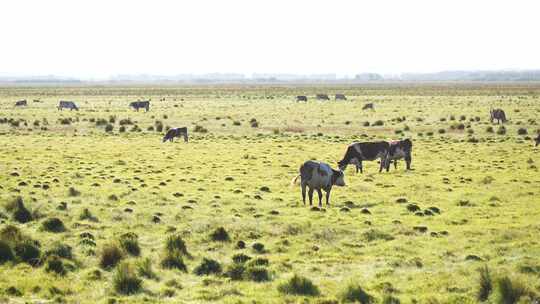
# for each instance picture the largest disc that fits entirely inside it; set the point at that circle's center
(98, 38)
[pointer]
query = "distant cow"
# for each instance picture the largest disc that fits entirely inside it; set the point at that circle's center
(316, 176)
(301, 98)
(340, 97)
(67, 105)
(322, 97)
(360, 151)
(176, 132)
(497, 114)
(537, 140)
(368, 106)
(21, 103)
(140, 105)
(399, 149)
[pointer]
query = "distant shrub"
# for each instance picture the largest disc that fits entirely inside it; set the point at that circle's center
(111, 255)
(53, 224)
(122, 129)
(235, 272)
(207, 267)
(101, 122)
(462, 117)
(470, 131)
(257, 274)
(159, 126)
(259, 262)
(510, 292)
(486, 285)
(6, 254)
(130, 243)
(522, 131)
(19, 211)
(241, 258)
(125, 280)
(112, 119)
(150, 128)
(87, 215)
(220, 234)
(298, 285)
(144, 269)
(173, 260)
(355, 294)
(61, 250)
(28, 251)
(54, 264)
(389, 299)
(501, 130)
(258, 247)
(236, 123)
(73, 192)
(378, 123)
(452, 117)
(490, 129)
(176, 243)
(125, 121)
(64, 121)
(373, 235)
(366, 124)
(109, 128)
(200, 129)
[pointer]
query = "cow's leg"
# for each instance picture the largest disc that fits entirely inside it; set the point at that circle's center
(328, 197)
(360, 166)
(319, 192)
(395, 164)
(408, 160)
(310, 194)
(185, 137)
(304, 192)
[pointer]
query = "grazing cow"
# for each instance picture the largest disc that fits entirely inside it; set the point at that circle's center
(140, 104)
(368, 106)
(301, 98)
(316, 176)
(21, 103)
(176, 132)
(360, 151)
(537, 140)
(67, 105)
(340, 97)
(322, 97)
(497, 114)
(399, 149)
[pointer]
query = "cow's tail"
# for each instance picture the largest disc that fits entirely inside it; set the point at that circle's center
(294, 180)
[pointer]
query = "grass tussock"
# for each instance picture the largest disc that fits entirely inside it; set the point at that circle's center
(125, 280)
(298, 285)
(110, 256)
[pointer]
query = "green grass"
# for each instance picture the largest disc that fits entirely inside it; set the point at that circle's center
(227, 192)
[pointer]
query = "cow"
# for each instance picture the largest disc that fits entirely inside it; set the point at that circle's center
(368, 106)
(176, 132)
(140, 104)
(537, 140)
(316, 176)
(301, 98)
(360, 151)
(497, 114)
(67, 105)
(21, 103)
(322, 97)
(340, 97)
(399, 149)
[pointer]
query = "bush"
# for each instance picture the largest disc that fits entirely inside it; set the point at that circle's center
(144, 269)
(87, 215)
(257, 274)
(490, 129)
(19, 211)
(259, 262)
(207, 267)
(200, 129)
(6, 254)
(235, 272)
(236, 123)
(125, 121)
(240, 258)
(173, 260)
(125, 281)
(53, 224)
(73, 192)
(486, 286)
(501, 130)
(441, 131)
(176, 243)
(110, 256)
(130, 244)
(378, 123)
(510, 292)
(109, 128)
(355, 294)
(122, 129)
(298, 285)
(220, 235)
(28, 251)
(388, 299)
(522, 131)
(55, 264)
(258, 247)
(61, 250)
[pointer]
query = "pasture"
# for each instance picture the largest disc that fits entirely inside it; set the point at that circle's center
(108, 204)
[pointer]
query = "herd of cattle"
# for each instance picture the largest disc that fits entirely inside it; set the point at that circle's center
(314, 175)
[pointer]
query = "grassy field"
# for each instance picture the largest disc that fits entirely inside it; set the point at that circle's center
(96, 209)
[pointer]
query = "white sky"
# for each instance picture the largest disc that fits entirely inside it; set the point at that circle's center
(98, 38)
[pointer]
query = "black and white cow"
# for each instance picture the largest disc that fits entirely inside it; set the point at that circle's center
(399, 149)
(140, 105)
(21, 103)
(301, 98)
(340, 97)
(318, 176)
(322, 97)
(176, 132)
(497, 114)
(360, 151)
(67, 105)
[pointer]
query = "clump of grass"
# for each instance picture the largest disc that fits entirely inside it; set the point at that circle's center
(220, 235)
(298, 285)
(109, 128)
(55, 265)
(355, 294)
(509, 291)
(125, 280)
(111, 255)
(53, 224)
(207, 267)
(501, 130)
(241, 258)
(236, 123)
(378, 123)
(235, 271)
(176, 243)
(389, 299)
(144, 269)
(61, 250)
(257, 274)
(173, 260)
(73, 192)
(258, 247)
(490, 129)
(130, 243)
(28, 251)
(6, 254)
(19, 211)
(522, 131)
(486, 285)
(200, 129)
(373, 235)
(87, 215)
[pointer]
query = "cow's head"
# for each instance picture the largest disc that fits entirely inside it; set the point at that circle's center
(338, 178)
(342, 164)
